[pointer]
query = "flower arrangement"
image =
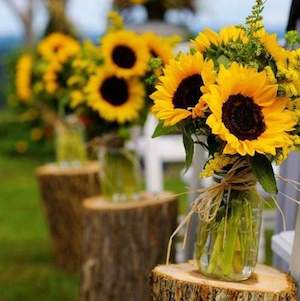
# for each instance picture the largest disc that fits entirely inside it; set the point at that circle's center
(105, 85)
(236, 94)
(102, 84)
(109, 92)
(42, 84)
(111, 79)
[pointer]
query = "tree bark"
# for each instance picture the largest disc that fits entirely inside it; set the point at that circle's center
(26, 17)
(58, 20)
(182, 282)
(63, 191)
(122, 244)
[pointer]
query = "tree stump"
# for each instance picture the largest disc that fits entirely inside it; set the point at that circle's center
(63, 191)
(182, 282)
(122, 243)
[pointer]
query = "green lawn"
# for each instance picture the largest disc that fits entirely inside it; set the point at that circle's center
(27, 271)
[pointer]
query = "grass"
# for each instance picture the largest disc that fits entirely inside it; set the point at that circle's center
(27, 271)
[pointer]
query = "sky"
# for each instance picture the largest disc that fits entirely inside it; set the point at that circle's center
(89, 15)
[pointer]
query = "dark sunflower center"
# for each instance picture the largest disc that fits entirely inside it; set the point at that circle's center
(188, 92)
(124, 56)
(243, 117)
(114, 90)
(56, 48)
(153, 53)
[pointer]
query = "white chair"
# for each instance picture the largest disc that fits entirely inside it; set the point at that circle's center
(295, 259)
(286, 245)
(156, 152)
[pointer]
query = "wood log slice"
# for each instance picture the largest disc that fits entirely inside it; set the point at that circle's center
(122, 243)
(182, 282)
(63, 191)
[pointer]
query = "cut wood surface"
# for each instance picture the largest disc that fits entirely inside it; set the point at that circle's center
(122, 243)
(182, 282)
(63, 191)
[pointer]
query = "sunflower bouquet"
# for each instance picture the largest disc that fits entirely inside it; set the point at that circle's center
(235, 94)
(42, 78)
(27, 132)
(108, 90)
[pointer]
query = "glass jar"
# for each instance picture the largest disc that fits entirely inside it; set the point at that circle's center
(70, 143)
(227, 247)
(120, 173)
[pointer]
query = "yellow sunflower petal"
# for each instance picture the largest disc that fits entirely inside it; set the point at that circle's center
(247, 114)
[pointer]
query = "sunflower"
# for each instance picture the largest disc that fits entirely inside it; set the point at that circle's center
(59, 47)
(24, 77)
(114, 97)
(210, 39)
(125, 53)
(247, 113)
(179, 93)
(232, 34)
(206, 39)
(270, 43)
(158, 47)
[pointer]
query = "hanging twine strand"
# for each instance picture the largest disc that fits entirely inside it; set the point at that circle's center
(238, 178)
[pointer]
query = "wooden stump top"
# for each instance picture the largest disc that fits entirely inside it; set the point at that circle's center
(53, 169)
(144, 200)
(264, 281)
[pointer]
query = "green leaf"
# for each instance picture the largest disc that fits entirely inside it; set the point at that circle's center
(188, 143)
(161, 130)
(223, 60)
(263, 170)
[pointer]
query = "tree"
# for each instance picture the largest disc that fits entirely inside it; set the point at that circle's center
(26, 16)
(57, 17)
(58, 20)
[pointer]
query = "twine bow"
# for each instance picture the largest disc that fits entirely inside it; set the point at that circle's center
(238, 178)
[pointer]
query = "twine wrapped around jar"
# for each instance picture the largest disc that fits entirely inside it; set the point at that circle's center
(239, 178)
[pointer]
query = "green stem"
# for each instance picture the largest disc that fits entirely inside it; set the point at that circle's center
(217, 248)
(227, 256)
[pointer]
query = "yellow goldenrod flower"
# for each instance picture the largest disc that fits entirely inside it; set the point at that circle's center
(76, 98)
(115, 21)
(216, 164)
(24, 77)
(270, 75)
